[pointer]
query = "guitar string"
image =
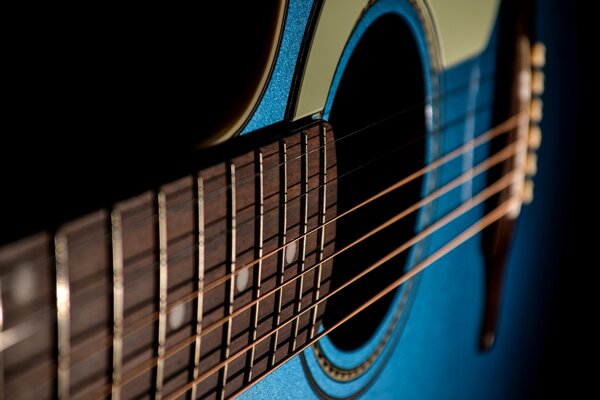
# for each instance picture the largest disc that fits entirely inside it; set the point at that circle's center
(32, 326)
(37, 319)
(171, 352)
(129, 224)
(501, 184)
(483, 138)
(416, 107)
(494, 159)
(468, 175)
(487, 136)
(394, 150)
(505, 208)
(220, 190)
(501, 210)
(189, 250)
(86, 295)
(488, 192)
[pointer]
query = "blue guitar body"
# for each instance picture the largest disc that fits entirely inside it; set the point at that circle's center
(433, 348)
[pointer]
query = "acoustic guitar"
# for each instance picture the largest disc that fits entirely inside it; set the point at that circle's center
(284, 199)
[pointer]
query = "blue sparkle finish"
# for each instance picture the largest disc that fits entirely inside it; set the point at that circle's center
(271, 108)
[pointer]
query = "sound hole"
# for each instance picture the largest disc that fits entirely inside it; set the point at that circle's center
(383, 77)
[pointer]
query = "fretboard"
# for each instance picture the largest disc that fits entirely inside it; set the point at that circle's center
(195, 287)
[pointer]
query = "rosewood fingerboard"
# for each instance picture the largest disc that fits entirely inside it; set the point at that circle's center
(141, 300)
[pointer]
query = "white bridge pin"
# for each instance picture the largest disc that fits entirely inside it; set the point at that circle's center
(23, 284)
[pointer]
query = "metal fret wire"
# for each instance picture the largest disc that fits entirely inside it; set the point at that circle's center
(282, 242)
(231, 284)
(162, 289)
(259, 233)
(303, 230)
(118, 299)
(200, 283)
(321, 224)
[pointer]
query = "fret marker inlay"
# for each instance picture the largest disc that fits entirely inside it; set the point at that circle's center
(162, 292)
(241, 280)
(176, 317)
(23, 282)
(290, 252)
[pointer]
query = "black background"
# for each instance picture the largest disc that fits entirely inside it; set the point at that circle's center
(567, 28)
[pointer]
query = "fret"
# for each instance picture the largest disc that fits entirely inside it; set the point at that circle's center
(118, 299)
(140, 284)
(162, 292)
(283, 173)
(62, 314)
(303, 230)
(182, 295)
(258, 253)
(231, 250)
(200, 284)
(321, 222)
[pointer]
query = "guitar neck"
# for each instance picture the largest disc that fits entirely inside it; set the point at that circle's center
(194, 287)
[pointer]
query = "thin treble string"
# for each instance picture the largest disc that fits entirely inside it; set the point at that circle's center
(142, 271)
(251, 178)
(462, 209)
(500, 156)
(467, 147)
(491, 190)
(417, 107)
(394, 150)
(502, 128)
(414, 108)
(454, 184)
(87, 293)
(189, 250)
(144, 218)
(488, 192)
